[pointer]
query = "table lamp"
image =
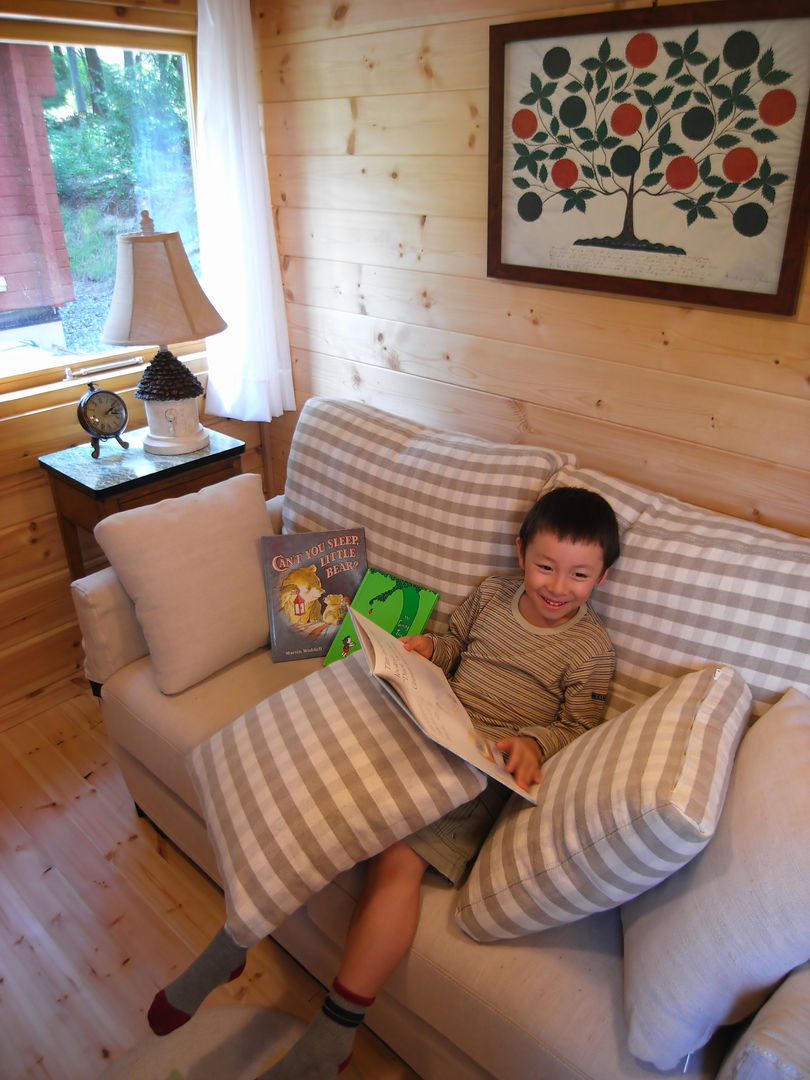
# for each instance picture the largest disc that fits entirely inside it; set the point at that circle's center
(157, 298)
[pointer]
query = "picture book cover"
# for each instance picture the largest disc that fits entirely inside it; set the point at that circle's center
(401, 607)
(310, 579)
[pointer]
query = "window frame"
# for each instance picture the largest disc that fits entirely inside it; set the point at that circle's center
(157, 31)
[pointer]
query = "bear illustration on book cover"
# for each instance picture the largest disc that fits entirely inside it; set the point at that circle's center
(310, 580)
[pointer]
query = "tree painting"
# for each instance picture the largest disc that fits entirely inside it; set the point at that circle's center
(652, 140)
(697, 134)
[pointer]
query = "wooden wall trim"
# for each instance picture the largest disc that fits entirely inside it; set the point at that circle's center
(169, 16)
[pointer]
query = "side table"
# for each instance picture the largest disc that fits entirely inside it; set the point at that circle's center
(87, 489)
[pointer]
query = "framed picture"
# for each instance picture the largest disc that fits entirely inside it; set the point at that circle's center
(659, 152)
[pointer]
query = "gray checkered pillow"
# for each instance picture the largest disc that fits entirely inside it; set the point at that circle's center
(694, 587)
(311, 781)
(619, 810)
(439, 509)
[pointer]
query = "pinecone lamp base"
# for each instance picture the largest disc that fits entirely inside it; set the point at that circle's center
(169, 391)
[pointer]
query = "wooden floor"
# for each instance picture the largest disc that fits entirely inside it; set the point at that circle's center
(96, 909)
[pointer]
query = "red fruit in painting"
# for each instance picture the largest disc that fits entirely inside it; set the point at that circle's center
(739, 164)
(564, 173)
(641, 50)
(682, 172)
(626, 119)
(524, 123)
(777, 107)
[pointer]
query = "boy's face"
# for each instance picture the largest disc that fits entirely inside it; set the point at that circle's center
(558, 576)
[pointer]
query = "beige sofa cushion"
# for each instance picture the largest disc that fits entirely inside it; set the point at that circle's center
(707, 946)
(160, 730)
(620, 809)
(776, 1044)
(439, 509)
(507, 1004)
(201, 612)
(693, 587)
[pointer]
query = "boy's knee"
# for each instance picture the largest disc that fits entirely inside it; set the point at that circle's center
(399, 860)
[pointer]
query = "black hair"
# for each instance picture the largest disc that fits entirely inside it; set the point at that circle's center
(574, 513)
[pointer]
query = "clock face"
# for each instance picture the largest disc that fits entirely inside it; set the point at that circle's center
(103, 413)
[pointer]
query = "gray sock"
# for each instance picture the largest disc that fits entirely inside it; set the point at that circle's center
(221, 961)
(325, 1048)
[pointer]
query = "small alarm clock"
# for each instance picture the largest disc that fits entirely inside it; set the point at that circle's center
(103, 414)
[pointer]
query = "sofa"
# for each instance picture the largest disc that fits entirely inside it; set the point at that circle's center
(649, 917)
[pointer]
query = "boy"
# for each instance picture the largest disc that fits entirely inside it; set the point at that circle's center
(531, 662)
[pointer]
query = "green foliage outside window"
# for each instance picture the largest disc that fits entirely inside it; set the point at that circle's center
(119, 141)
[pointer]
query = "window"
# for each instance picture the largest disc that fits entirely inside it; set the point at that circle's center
(90, 135)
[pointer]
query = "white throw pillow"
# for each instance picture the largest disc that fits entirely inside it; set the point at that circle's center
(620, 809)
(707, 947)
(776, 1044)
(192, 567)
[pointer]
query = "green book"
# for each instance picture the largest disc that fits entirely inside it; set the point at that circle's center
(398, 606)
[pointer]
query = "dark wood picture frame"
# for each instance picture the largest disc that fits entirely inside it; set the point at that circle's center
(682, 132)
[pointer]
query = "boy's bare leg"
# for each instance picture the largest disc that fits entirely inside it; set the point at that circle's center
(384, 920)
(381, 932)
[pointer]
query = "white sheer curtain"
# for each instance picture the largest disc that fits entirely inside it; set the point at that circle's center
(250, 376)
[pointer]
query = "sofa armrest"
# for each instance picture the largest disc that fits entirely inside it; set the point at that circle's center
(111, 634)
(274, 507)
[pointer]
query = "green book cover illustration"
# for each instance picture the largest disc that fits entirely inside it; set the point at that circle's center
(398, 606)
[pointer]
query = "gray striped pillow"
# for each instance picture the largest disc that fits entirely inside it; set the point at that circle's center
(438, 508)
(311, 781)
(621, 808)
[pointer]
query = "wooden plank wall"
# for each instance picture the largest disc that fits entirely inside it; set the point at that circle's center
(375, 119)
(39, 637)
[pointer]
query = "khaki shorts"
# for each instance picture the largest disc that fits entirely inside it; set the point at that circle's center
(451, 844)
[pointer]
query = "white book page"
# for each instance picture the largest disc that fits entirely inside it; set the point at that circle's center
(422, 690)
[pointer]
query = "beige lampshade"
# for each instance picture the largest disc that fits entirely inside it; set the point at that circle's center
(157, 298)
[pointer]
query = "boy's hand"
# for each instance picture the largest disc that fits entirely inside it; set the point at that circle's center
(523, 759)
(419, 643)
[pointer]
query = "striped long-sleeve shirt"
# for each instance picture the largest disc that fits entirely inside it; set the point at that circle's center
(517, 679)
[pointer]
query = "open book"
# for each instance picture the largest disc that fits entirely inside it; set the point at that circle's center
(422, 691)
